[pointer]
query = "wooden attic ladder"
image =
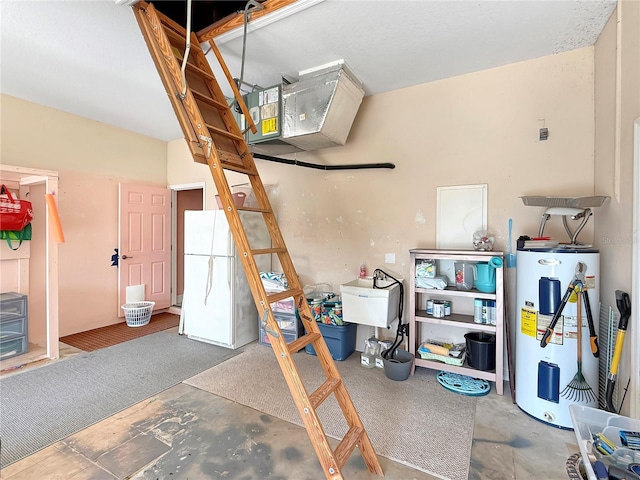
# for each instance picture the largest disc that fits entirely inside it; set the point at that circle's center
(214, 138)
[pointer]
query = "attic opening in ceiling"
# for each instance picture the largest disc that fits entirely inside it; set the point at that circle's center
(203, 13)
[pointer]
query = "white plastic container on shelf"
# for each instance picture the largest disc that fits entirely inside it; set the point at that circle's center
(588, 421)
(365, 305)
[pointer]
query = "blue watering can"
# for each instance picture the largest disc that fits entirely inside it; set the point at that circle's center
(486, 277)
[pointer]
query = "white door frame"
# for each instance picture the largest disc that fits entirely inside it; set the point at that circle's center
(635, 279)
(174, 231)
(32, 176)
(51, 262)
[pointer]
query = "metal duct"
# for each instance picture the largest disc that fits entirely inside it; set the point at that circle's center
(316, 111)
(319, 109)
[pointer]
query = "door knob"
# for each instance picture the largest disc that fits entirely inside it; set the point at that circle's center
(124, 257)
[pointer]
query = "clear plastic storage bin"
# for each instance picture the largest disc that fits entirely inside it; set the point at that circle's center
(588, 421)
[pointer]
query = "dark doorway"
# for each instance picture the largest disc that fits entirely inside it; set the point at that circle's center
(203, 13)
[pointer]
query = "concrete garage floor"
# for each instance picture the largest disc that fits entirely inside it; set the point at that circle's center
(186, 433)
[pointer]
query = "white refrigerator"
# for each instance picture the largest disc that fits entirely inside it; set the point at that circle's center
(217, 305)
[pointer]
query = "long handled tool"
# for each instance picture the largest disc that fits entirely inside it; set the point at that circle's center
(593, 336)
(624, 307)
(546, 338)
(578, 283)
(578, 389)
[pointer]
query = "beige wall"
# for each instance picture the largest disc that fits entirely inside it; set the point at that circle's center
(614, 169)
(617, 94)
(181, 169)
(477, 128)
(91, 159)
(42, 137)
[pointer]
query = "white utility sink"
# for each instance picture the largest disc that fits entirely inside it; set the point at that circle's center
(365, 305)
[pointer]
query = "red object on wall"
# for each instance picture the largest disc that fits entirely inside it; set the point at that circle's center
(15, 214)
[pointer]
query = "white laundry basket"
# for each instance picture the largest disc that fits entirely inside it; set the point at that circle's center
(138, 314)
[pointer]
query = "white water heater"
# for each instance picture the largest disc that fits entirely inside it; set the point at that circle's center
(544, 374)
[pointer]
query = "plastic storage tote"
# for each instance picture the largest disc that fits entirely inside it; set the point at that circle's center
(341, 340)
(13, 324)
(290, 327)
(588, 421)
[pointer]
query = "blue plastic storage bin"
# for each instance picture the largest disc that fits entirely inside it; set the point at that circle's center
(341, 340)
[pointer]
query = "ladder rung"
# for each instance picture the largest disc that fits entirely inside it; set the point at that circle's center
(237, 168)
(208, 100)
(267, 251)
(301, 342)
(169, 24)
(323, 391)
(254, 209)
(224, 133)
(229, 157)
(226, 160)
(200, 72)
(168, 29)
(347, 445)
(277, 296)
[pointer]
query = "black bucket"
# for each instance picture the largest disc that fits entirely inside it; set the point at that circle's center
(481, 350)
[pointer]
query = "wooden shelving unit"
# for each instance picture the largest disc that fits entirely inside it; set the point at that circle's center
(419, 317)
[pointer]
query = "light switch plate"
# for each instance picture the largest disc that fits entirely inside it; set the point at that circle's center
(389, 258)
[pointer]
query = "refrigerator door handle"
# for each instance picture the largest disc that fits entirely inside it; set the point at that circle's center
(209, 285)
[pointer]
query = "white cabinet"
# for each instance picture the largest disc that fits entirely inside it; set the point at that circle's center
(461, 320)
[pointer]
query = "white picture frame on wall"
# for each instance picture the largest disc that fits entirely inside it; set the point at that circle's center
(461, 211)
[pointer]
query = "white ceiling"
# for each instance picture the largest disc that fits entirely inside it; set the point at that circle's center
(89, 58)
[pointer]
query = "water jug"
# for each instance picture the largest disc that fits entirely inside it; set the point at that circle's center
(371, 350)
(486, 275)
(465, 275)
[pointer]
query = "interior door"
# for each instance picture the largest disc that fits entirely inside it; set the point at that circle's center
(144, 242)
